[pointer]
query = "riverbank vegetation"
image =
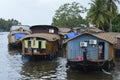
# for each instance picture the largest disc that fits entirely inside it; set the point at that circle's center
(6, 24)
(102, 14)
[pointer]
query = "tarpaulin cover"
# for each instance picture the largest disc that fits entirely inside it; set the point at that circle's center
(19, 35)
(71, 35)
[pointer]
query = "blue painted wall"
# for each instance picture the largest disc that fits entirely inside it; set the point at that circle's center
(74, 49)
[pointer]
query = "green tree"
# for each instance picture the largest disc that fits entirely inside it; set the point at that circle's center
(98, 14)
(112, 7)
(69, 15)
(102, 12)
(6, 24)
(116, 23)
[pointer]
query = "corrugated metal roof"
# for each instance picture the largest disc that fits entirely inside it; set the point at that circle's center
(105, 36)
(49, 37)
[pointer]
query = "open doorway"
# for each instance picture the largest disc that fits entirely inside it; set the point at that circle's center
(101, 50)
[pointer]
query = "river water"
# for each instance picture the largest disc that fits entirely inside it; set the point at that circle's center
(14, 67)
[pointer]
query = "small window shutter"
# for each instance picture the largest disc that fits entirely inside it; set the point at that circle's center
(26, 43)
(34, 44)
(43, 44)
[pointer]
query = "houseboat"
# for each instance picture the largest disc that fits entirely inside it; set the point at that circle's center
(62, 32)
(17, 32)
(91, 50)
(117, 44)
(43, 41)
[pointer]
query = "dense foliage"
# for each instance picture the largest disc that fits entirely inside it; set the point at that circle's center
(116, 23)
(6, 24)
(69, 15)
(102, 12)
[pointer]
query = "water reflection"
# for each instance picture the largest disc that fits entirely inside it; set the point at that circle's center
(55, 69)
(14, 67)
(76, 75)
(61, 70)
(10, 66)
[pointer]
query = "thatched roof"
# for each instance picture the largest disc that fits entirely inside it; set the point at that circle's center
(49, 37)
(105, 36)
(43, 26)
(93, 30)
(115, 34)
(16, 27)
(64, 30)
(13, 32)
(88, 29)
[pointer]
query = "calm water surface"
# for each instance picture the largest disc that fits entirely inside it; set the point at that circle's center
(14, 67)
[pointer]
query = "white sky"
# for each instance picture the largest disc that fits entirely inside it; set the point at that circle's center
(32, 12)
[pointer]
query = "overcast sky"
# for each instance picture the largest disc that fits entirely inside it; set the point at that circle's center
(32, 12)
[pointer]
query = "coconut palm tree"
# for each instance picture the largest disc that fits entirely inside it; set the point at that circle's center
(98, 14)
(112, 7)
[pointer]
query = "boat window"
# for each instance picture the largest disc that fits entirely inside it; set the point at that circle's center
(51, 30)
(101, 52)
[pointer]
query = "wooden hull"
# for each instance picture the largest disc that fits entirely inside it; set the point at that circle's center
(15, 46)
(92, 65)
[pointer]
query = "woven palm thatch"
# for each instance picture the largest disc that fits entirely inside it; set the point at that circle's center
(49, 37)
(18, 30)
(105, 36)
